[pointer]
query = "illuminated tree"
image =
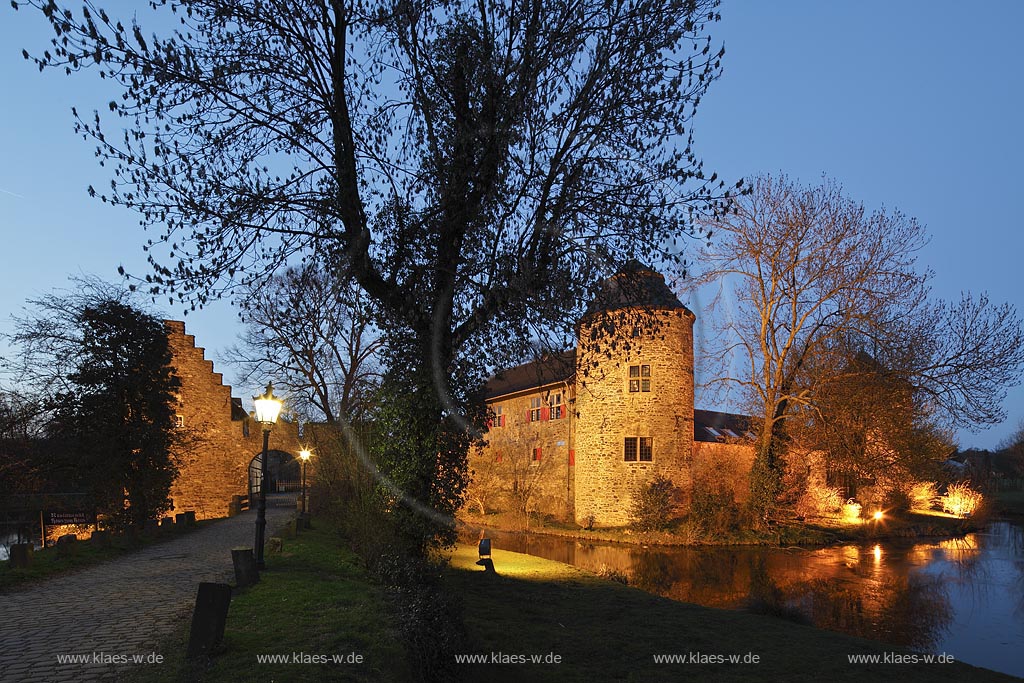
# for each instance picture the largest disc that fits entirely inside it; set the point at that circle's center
(808, 271)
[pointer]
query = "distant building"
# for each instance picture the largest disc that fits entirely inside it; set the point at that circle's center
(601, 421)
(220, 457)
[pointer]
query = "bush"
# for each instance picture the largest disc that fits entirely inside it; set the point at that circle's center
(819, 501)
(961, 500)
(923, 495)
(713, 511)
(653, 505)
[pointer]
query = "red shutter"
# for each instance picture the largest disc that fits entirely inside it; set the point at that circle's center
(501, 420)
(545, 414)
(528, 416)
(572, 458)
(536, 454)
(490, 423)
(497, 458)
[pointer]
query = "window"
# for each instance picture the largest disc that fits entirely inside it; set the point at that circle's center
(646, 449)
(498, 420)
(629, 450)
(639, 378)
(536, 457)
(556, 411)
(179, 420)
(638, 449)
(534, 413)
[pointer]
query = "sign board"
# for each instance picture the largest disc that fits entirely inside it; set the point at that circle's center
(71, 517)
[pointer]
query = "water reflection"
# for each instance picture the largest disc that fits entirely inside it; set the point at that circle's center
(963, 596)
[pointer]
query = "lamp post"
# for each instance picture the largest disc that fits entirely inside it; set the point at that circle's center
(268, 407)
(304, 454)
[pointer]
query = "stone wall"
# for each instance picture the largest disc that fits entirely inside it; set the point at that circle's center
(218, 441)
(513, 439)
(608, 412)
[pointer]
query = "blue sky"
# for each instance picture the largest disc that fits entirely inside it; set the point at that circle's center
(909, 104)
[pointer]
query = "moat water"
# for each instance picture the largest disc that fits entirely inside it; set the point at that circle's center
(963, 596)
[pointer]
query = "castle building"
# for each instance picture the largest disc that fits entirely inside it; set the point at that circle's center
(587, 429)
(222, 445)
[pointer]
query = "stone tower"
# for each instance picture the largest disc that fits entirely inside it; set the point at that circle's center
(634, 394)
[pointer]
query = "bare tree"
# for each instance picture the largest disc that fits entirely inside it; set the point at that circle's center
(313, 335)
(475, 164)
(808, 270)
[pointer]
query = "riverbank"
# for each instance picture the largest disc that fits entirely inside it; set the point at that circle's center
(602, 630)
(316, 599)
(811, 532)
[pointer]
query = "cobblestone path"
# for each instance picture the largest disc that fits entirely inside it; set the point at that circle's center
(120, 608)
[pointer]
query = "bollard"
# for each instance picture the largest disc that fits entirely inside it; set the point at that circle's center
(245, 567)
(21, 555)
(208, 619)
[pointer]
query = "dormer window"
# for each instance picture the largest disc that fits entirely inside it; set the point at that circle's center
(639, 378)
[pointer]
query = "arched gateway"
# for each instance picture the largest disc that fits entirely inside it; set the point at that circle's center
(219, 436)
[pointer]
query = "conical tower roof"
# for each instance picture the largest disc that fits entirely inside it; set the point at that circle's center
(634, 286)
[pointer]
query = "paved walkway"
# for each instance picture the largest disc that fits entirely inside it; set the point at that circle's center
(121, 608)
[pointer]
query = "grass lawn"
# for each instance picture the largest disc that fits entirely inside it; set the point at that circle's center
(314, 599)
(604, 631)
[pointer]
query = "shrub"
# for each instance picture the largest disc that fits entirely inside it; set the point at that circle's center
(653, 505)
(852, 510)
(923, 495)
(960, 499)
(713, 510)
(819, 501)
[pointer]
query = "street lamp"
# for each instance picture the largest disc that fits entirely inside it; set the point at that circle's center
(304, 454)
(268, 407)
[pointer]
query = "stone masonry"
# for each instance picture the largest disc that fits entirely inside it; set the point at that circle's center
(220, 439)
(602, 421)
